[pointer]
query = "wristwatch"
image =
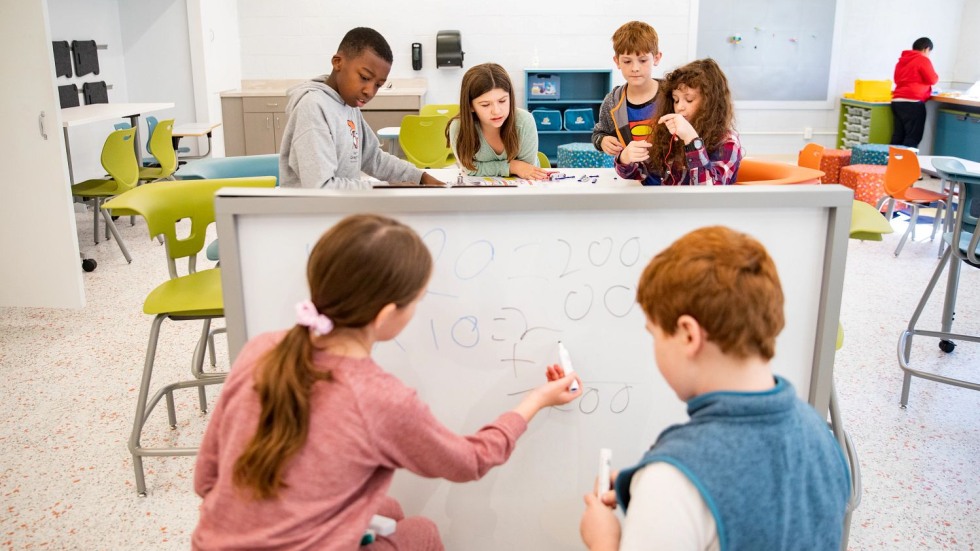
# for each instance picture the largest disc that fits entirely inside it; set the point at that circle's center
(695, 145)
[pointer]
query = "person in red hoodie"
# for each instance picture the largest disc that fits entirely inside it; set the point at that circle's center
(914, 77)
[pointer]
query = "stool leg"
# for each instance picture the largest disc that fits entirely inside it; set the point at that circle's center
(140, 419)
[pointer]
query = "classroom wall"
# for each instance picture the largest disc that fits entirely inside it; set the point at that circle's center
(966, 71)
(295, 39)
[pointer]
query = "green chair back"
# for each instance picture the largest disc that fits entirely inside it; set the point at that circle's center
(119, 159)
(543, 160)
(163, 205)
(162, 146)
(445, 109)
(867, 224)
(423, 140)
(151, 124)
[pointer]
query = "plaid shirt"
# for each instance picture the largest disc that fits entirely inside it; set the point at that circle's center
(702, 168)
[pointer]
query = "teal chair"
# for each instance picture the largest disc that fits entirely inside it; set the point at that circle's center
(423, 141)
(194, 296)
(962, 247)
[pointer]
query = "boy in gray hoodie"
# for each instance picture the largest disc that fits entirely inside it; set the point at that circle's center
(326, 142)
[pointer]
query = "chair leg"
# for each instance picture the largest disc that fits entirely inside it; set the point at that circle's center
(214, 359)
(112, 227)
(197, 367)
(145, 405)
(910, 229)
(95, 219)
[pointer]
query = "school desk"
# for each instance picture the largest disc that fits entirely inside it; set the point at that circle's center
(516, 270)
(196, 130)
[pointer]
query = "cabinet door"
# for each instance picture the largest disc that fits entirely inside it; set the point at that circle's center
(259, 134)
(279, 124)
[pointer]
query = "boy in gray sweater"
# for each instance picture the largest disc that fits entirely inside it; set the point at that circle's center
(326, 142)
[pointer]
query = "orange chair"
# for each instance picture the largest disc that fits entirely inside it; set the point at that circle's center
(810, 156)
(900, 175)
(753, 172)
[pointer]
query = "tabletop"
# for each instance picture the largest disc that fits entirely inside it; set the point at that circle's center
(84, 114)
(195, 128)
(561, 177)
(925, 164)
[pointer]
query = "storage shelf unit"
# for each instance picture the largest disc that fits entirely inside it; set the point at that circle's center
(577, 88)
(863, 122)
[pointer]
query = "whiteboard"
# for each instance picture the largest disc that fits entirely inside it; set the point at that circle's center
(515, 271)
(783, 51)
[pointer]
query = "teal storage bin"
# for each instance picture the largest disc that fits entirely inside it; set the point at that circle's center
(547, 119)
(579, 118)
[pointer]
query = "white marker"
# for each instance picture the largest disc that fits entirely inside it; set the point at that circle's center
(605, 457)
(566, 363)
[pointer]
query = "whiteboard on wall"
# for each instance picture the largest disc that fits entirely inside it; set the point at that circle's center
(770, 50)
(515, 271)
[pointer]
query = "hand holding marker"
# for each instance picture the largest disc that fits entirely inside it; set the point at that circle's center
(566, 363)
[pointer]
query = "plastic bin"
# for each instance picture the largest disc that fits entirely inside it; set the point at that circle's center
(547, 119)
(579, 118)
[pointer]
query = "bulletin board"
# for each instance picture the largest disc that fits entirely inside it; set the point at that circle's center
(515, 272)
(770, 50)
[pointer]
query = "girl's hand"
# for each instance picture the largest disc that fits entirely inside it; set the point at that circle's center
(635, 152)
(553, 393)
(677, 125)
(527, 171)
(599, 526)
(611, 146)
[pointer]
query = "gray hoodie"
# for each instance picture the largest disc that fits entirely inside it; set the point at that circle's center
(327, 143)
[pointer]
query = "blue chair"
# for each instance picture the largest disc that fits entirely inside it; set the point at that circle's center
(962, 246)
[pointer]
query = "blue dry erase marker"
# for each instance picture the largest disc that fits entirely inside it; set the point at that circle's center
(566, 363)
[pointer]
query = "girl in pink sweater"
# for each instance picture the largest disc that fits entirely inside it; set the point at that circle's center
(308, 430)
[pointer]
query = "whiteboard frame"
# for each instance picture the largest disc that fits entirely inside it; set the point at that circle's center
(232, 204)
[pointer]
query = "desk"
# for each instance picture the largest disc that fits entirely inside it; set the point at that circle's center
(604, 178)
(85, 114)
(197, 130)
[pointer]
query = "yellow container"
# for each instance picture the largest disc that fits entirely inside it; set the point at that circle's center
(873, 90)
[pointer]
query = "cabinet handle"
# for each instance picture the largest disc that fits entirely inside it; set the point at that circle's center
(40, 123)
(272, 104)
(268, 122)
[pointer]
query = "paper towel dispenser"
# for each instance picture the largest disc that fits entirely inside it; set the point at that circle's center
(449, 49)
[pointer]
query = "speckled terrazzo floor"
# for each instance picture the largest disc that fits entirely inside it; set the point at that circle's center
(68, 384)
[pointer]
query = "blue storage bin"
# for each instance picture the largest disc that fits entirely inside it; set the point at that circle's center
(547, 119)
(579, 118)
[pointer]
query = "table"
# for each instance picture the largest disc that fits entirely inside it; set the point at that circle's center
(197, 130)
(604, 177)
(85, 114)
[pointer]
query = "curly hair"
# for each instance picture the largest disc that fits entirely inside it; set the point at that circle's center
(713, 121)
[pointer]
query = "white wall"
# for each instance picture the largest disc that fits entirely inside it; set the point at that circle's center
(966, 71)
(295, 39)
(157, 55)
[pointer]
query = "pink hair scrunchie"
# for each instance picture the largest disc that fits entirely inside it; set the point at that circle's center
(309, 316)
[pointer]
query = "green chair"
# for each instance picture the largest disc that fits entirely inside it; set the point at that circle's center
(119, 161)
(445, 109)
(423, 140)
(194, 296)
(867, 223)
(161, 146)
(543, 160)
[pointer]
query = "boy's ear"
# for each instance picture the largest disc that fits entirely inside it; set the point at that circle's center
(336, 61)
(693, 335)
(656, 58)
(616, 60)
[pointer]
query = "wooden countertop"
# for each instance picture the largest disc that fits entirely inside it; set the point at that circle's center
(967, 101)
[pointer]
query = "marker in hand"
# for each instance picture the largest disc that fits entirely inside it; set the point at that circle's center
(566, 363)
(603, 486)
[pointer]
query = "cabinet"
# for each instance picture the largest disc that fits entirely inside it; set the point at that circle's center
(570, 89)
(253, 124)
(863, 122)
(957, 134)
